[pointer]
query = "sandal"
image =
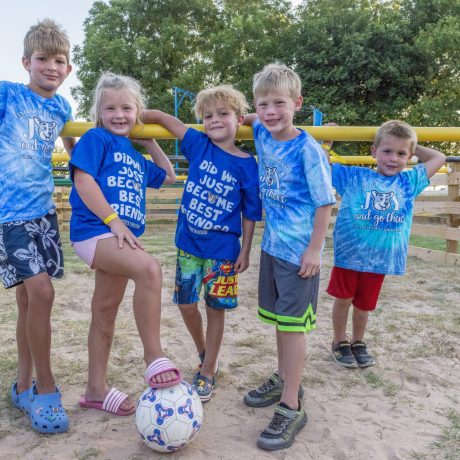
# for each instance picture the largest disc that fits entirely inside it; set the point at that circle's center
(46, 412)
(203, 386)
(21, 400)
(112, 403)
(159, 366)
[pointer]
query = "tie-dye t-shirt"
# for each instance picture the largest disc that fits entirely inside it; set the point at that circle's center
(29, 126)
(294, 180)
(372, 230)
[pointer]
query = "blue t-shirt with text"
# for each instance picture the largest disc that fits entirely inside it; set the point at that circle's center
(122, 173)
(29, 126)
(373, 224)
(295, 180)
(220, 188)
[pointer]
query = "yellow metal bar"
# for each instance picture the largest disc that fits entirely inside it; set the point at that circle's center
(335, 133)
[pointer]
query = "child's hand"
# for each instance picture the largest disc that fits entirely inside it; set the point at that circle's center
(242, 263)
(310, 263)
(122, 232)
(328, 143)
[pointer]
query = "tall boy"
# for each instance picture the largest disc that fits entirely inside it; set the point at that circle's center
(220, 203)
(372, 231)
(31, 117)
(296, 191)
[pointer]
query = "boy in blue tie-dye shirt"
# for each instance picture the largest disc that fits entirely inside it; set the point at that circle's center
(372, 231)
(296, 192)
(31, 117)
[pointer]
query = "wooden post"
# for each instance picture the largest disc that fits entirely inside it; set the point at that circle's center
(453, 187)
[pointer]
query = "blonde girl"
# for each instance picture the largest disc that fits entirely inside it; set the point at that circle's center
(110, 178)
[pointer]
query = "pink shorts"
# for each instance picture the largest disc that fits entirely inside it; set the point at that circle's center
(362, 287)
(87, 248)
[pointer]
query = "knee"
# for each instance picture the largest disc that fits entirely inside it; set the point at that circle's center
(151, 273)
(188, 309)
(41, 293)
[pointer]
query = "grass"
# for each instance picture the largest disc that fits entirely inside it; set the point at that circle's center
(429, 242)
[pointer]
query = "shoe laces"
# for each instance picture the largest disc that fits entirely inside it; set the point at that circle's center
(279, 422)
(267, 386)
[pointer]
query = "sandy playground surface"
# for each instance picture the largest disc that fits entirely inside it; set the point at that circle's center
(406, 407)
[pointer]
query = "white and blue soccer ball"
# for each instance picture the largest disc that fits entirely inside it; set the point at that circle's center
(169, 418)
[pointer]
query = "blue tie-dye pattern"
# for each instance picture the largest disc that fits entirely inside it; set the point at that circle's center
(372, 230)
(29, 126)
(294, 179)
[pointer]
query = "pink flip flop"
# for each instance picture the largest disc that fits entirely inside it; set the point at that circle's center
(112, 402)
(159, 366)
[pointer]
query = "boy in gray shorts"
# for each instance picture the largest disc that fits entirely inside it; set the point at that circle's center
(296, 191)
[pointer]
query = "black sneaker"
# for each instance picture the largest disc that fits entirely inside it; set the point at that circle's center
(268, 393)
(281, 431)
(342, 355)
(363, 358)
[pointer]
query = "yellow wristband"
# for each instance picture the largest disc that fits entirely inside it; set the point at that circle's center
(325, 147)
(109, 219)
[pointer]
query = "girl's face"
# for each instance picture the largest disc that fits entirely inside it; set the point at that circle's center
(118, 111)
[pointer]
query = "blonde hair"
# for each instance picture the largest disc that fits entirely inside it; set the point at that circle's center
(110, 80)
(224, 94)
(276, 78)
(396, 128)
(46, 36)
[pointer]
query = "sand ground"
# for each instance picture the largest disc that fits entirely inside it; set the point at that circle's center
(406, 407)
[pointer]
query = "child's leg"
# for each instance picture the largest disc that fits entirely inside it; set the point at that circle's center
(292, 363)
(339, 318)
(214, 335)
(25, 364)
(108, 294)
(194, 323)
(145, 271)
(40, 294)
(360, 318)
(279, 350)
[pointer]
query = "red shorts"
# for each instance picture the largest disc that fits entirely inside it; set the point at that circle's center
(362, 287)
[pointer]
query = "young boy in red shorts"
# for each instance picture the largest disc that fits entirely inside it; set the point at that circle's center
(372, 231)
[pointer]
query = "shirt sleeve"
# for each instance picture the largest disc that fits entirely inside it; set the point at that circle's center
(251, 205)
(155, 175)
(88, 154)
(318, 173)
(418, 178)
(193, 143)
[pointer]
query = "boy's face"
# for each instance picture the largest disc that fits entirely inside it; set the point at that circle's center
(392, 154)
(220, 123)
(46, 73)
(276, 112)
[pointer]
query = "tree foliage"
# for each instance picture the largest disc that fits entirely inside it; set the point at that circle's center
(361, 61)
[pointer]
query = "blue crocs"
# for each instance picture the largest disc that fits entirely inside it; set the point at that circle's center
(21, 400)
(46, 412)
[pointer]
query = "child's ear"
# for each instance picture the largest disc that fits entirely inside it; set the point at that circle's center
(26, 63)
(69, 69)
(239, 120)
(373, 149)
(298, 103)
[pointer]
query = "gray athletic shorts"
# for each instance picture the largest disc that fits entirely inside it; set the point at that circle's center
(285, 299)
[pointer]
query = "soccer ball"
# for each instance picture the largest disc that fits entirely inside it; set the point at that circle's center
(169, 418)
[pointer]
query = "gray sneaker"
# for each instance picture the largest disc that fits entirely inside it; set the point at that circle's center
(268, 393)
(281, 431)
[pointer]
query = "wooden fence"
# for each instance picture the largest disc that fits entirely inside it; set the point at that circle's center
(437, 212)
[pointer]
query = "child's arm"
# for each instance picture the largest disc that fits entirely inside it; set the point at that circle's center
(249, 118)
(159, 158)
(242, 263)
(172, 124)
(311, 258)
(431, 158)
(69, 144)
(91, 194)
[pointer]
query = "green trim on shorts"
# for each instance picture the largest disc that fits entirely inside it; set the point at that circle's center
(289, 323)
